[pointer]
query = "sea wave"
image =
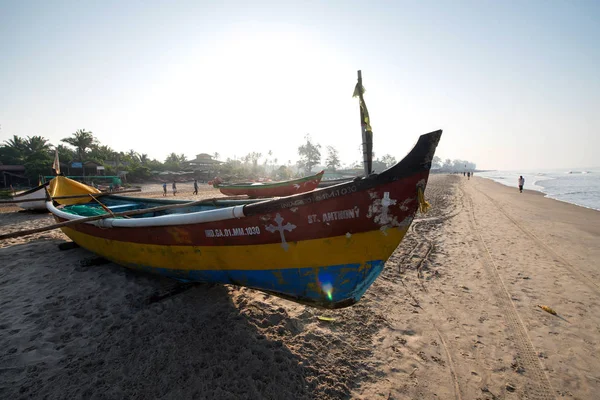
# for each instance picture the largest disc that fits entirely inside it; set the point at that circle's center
(578, 187)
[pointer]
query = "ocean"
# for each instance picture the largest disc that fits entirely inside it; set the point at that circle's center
(577, 186)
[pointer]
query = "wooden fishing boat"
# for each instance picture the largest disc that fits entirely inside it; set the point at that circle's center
(60, 186)
(272, 189)
(331, 182)
(36, 198)
(323, 248)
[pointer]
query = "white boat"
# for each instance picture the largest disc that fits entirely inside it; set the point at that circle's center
(38, 192)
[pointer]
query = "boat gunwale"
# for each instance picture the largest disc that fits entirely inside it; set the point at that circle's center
(32, 190)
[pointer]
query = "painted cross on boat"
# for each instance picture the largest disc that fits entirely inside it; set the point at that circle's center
(280, 228)
(385, 203)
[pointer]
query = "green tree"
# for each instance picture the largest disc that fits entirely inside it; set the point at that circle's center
(38, 157)
(436, 163)
(144, 159)
(252, 159)
(310, 155)
(333, 160)
(81, 140)
(283, 173)
(13, 151)
(133, 155)
(447, 164)
(172, 162)
(155, 165)
(388, 160)
(100, 153)
(34, 153)
(65, 154)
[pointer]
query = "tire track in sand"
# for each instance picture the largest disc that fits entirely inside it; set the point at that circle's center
(574, 270)
(526, 355)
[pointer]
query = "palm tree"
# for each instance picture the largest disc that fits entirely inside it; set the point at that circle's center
(17, 143)
(172, 158)
(133, 155)
(36, 145)
(144, 158)
(65, 154)
(101, 153)
(216, 155)
(13, 151)
(81, 140)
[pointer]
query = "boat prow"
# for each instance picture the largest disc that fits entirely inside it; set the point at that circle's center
(36, 198)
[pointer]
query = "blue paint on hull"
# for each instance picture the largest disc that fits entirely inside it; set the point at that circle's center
(328, 286)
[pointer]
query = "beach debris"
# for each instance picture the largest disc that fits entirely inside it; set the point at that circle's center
(324, 318)
(551, 311)
(547, 309)
(510, 387)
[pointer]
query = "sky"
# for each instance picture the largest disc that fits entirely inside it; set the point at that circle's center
(513, 84)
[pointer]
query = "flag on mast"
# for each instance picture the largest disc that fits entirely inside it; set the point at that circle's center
(56, 163)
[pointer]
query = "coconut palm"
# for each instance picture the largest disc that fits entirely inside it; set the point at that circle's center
(65, 154)
(34, 145)
(81, 140)
(144, 158)
(133, 155)
(13, 151)
(101, 153)
(17, 143)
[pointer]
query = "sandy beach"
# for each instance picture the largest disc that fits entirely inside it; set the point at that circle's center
(454, 315)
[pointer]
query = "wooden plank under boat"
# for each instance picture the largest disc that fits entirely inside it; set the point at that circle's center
(323, 248)
(272, 189)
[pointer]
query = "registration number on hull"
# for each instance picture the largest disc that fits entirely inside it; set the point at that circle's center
(248, 231)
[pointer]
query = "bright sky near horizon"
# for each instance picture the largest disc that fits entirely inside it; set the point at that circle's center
(513, 84)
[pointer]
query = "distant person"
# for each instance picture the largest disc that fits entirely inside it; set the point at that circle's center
(165, 189)
(464, 173)
(195, 186)
(174, 188)
(521, 183)
(468, 175)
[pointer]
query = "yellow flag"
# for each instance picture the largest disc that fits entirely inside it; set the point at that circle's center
(359, 90)
(56, 163)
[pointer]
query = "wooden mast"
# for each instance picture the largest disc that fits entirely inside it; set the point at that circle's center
(367, 135)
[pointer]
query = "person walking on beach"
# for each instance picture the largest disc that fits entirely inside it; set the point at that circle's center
(521, 183)
(195, 186)
(165, 189)
(174, 188)
(468, 175)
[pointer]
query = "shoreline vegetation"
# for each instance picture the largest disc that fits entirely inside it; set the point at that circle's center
(82, 154)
